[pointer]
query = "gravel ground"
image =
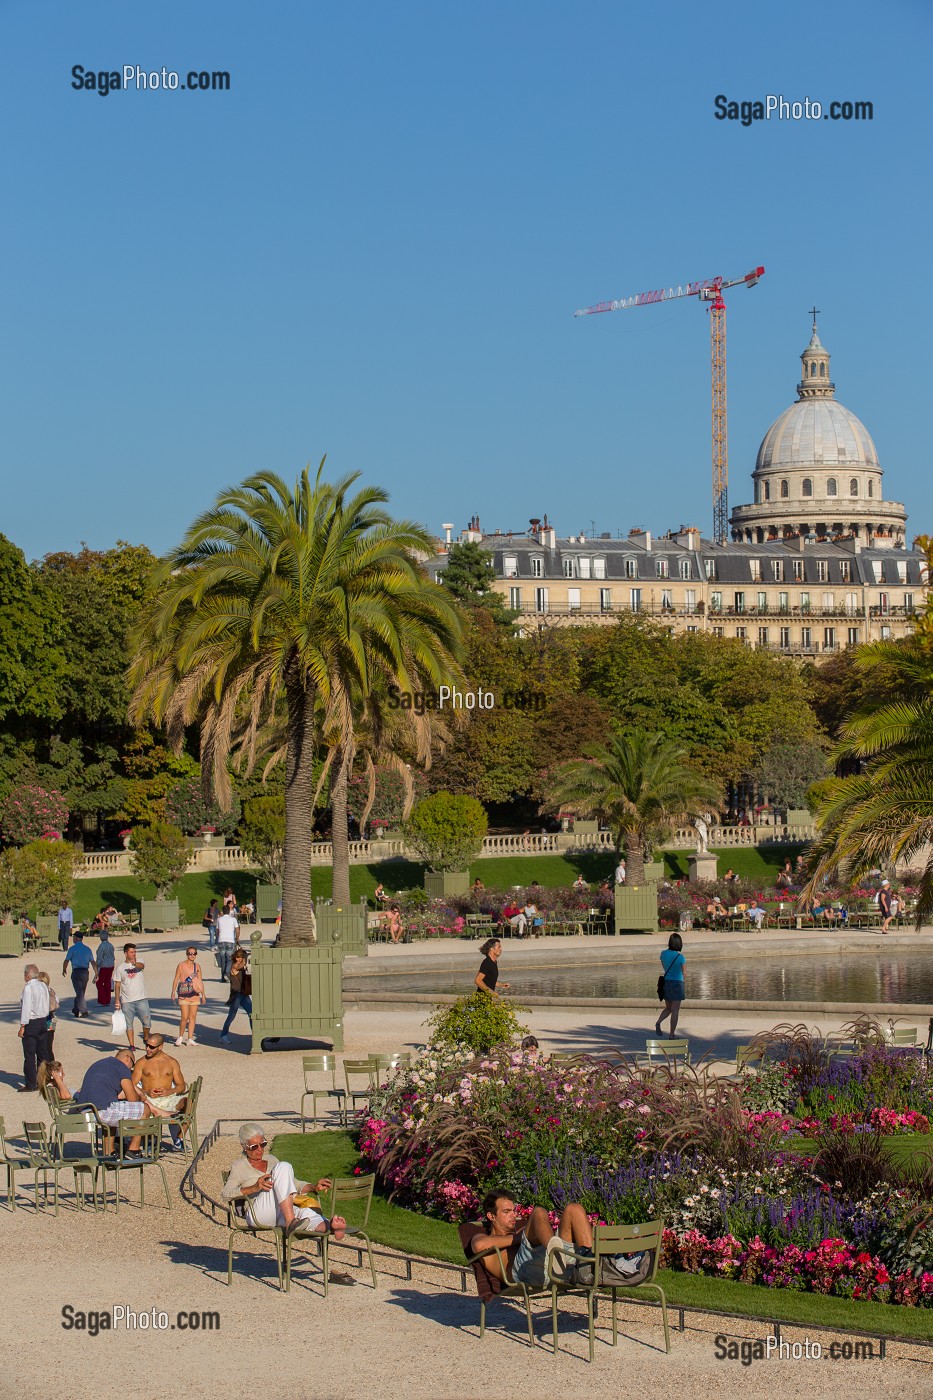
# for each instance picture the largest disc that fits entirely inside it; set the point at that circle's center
(410, 1341)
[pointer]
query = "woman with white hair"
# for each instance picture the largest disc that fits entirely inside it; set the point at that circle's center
(269, 1188)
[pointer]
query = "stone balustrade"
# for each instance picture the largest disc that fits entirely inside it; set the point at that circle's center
(99, 863)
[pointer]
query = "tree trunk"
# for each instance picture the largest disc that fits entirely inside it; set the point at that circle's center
(298, 925)
(340, 841)
(634, 861)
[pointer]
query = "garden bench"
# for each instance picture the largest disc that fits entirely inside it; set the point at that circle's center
(47, 931)
(476, 925)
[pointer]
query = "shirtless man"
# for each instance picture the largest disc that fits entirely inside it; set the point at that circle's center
(159, 1079)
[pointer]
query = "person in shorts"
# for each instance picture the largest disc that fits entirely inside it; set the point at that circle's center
(536, 1255)
(130, 993)
(528, 1249)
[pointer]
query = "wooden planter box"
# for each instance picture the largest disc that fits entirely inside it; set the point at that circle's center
(11, 940)
(159, 914)
(654, 872)
(636, 908)
(349, 923)
(438, 884)
(268, 898)
(47, 929)
(297, 992)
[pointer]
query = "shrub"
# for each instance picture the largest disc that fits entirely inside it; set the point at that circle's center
(32, 813)
(477, 1022)
(447, 831)
(262, 835)
(159, 856)
(37, 877)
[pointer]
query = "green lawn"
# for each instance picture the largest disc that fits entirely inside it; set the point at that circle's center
(195, 892)
(912, 1150)
(333, 1154)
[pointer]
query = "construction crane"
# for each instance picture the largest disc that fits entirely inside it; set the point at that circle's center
(710, 292)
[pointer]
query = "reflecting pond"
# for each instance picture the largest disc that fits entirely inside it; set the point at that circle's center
(853, 977)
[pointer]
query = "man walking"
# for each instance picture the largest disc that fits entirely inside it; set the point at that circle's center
(33, 1027)
(106, 959)
(130, 993)
(65, 920)
(228, 937)
(82, 961)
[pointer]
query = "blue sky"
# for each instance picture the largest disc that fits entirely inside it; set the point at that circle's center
(373, 244)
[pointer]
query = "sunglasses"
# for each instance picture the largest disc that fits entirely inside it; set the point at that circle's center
(255, 1146)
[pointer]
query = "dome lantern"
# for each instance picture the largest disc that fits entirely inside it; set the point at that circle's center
(815, 382)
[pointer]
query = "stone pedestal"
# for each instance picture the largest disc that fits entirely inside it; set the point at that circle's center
(703, 866)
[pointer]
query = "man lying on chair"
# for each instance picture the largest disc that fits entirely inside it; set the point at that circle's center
(535, 1255)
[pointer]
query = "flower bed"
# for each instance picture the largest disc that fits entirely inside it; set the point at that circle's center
(716, 1162)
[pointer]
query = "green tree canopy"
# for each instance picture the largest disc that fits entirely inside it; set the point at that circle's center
(640, 784)
(447, 831)
(305, 593)
(32, 662)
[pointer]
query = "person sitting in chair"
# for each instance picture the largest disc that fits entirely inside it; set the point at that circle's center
(269, 1188)
(534, 1254)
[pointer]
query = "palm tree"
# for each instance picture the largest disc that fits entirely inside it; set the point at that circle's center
(884, 813)
(640, 784)
(303, 594)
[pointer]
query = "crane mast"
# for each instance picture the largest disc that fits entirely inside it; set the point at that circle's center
(710, 292)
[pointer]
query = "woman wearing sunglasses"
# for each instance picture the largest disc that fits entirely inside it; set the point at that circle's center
(268, 1188)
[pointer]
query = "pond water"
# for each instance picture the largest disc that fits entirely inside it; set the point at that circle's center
(845, 978)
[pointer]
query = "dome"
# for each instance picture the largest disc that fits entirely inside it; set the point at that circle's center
(816, 432)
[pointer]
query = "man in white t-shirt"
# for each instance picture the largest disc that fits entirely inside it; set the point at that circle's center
(228, 937)
(620, 871)
(129, 993)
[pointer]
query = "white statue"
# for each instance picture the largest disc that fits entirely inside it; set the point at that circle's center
(703, 823)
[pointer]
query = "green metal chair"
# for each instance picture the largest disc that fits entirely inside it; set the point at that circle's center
(77, 1149)
(321, 1064)
(150, 1131)
(40, 1156)
(187, 1117)
(344, 1190)
(388, 1064)
(354, 1072)
(12, 1165)
(240, 1224)
(901, 1035)
(664, 1054)
(489, 1287)
(609, 1240)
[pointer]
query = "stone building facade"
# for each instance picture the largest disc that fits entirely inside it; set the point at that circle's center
(818, 563)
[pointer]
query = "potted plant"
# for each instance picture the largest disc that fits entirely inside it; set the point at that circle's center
(446, 832)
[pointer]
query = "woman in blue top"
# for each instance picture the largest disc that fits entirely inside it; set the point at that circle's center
(672, 960)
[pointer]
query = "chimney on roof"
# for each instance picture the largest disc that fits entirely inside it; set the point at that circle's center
(688, 536)
(642, 537)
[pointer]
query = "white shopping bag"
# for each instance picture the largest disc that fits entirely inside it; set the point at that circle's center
(118, 1023)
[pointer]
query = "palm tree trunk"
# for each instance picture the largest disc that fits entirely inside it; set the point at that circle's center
(297, 925)
(340, 842)
(634, 861)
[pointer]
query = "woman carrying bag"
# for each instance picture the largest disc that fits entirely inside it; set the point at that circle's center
(188, 991)
(241, 993)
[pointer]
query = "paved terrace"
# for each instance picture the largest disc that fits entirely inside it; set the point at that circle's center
(414, 1340)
